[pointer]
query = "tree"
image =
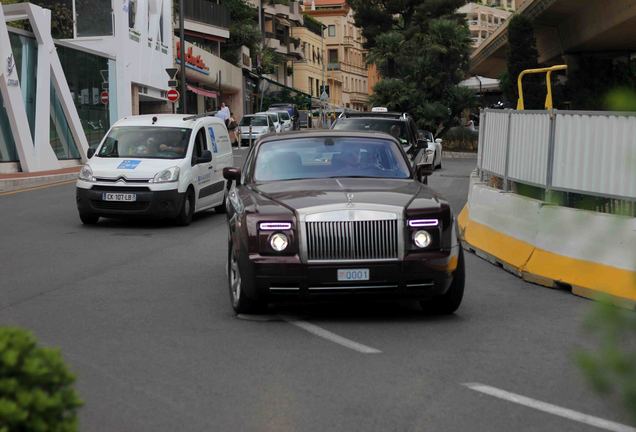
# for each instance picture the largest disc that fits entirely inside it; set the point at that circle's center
(421, 50)
(243, 30)
(61, 16)
(523, 54)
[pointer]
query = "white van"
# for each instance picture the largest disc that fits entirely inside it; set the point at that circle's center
(162, 165)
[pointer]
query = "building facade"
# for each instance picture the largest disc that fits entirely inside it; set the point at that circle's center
(483, 20)
(308, 71)
(210, 79)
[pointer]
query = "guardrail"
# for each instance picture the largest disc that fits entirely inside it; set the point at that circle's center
(582, 152)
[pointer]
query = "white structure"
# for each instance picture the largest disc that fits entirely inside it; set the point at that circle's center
(140, 42)
(34, 151)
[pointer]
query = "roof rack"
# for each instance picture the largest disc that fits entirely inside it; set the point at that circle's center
(197, 116)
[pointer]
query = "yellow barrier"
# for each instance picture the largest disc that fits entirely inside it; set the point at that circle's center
(548, 71)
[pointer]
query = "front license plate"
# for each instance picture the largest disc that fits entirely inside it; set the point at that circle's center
(353, 275)
(108, 196)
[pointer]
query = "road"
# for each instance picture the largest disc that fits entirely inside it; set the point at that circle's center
(141, 313)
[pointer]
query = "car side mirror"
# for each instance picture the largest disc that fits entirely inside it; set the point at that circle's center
(90, 153)
(423, 170)
(232, 174)
(205, 157)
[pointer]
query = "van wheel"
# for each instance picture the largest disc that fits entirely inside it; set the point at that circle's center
(184, 218)
(88, 218)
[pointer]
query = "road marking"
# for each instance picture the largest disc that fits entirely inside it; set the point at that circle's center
(332, 337)
(38, 187)
(551, 409)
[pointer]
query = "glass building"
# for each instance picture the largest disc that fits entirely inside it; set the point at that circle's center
(82, 71)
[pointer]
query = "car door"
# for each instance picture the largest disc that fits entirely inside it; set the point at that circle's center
(202, 172)
(221, 157)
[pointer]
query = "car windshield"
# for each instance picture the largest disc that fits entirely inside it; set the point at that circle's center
(146, 142)
(329, 157)
(273, 118)
(253, 121)
(284, 116)
(397, 128)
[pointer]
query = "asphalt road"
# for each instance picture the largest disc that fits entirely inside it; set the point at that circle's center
(142, 314)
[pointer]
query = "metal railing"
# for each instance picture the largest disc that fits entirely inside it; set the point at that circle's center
(207, 12)
(588, 153)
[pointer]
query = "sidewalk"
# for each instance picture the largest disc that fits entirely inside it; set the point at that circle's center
(10, 182)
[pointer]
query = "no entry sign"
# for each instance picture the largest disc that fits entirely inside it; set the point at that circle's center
(172, 95)
(103, 97)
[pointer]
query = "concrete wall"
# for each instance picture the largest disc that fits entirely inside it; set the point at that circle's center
(592, 252)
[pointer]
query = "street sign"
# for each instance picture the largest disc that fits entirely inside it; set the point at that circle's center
(172, 83)
(172, 95)
(105, 85)
(103, 97)
(324, 96)
(172, 72)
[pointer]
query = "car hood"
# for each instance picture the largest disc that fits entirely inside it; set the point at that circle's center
(130, 168)
(305, 194)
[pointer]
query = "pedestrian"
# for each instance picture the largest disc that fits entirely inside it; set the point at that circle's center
(232, 128)
(309, 120)
(224, 113)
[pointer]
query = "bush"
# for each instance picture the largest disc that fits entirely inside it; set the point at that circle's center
(460, 139)
(36, 392)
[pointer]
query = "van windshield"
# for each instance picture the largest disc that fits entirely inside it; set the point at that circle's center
(146, 142)
(253, 121)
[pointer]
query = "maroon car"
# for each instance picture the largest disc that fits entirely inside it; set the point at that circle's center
(328, 214)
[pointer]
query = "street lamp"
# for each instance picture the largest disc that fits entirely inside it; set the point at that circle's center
(322, 58)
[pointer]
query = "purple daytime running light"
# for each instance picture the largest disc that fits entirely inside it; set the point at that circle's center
(416, 223)
(273, 226)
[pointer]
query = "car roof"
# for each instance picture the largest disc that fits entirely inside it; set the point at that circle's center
(166, 120)
(327, 133)
(256, 115)
(395, 115)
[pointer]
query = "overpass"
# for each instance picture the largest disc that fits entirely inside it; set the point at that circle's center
(562, 28)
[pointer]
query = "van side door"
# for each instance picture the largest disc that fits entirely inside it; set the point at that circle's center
(222, 157)
(202, 172)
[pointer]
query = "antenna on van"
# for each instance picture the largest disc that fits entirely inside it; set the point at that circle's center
(196, 116)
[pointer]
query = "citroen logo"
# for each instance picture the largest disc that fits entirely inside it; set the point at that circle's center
(349, 200)
(10, 65)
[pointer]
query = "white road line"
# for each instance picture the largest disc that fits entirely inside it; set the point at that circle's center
(551, 409)
(332, 337)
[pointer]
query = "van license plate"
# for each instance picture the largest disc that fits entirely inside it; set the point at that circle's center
(108, 196)
(353, 275)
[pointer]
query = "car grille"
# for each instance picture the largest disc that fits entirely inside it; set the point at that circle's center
(121, 189)
(352, 240)
(120, 205)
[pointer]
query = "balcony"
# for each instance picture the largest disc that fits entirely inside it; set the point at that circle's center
(284, 9)
(206, 13)
(333, 66)
(347, 41)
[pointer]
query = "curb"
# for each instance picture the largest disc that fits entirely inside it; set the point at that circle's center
(503, 251)
(18, 184)
(458, 155)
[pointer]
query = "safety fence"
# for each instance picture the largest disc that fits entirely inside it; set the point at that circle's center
(582, 159)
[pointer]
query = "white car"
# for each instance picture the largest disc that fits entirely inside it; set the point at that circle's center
(258, 124)
(286, 120)
(275, 119)
(161, 165)
(433, 144)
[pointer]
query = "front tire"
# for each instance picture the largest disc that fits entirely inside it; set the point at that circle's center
(184, 218)
(449, 302)
(240, 303)
(88, 218)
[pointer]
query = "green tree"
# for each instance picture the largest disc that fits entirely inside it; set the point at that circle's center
(243, 30)
(523, 54)
(36, 392)
(421, 50)
(61, 16)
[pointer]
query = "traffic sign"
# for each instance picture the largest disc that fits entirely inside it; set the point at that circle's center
(172, 83)
(172, 95)
(172, 72)
(103, 97)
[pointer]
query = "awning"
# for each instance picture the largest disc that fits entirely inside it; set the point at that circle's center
(477, 83)
(202, 92)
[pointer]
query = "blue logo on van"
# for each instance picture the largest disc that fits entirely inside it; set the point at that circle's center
(129, 164)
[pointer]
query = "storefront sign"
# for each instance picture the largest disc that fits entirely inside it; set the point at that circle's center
(192, 61)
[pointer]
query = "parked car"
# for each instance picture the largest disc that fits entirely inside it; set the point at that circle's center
(291, 109)
(161, 165)
(274, 119)
(331, 213)
(433, 144)
(285, 119)
(259, 124)
(400, 125)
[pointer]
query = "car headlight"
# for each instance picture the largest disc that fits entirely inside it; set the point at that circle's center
(422, 239)
(279, 242)
(166, 176)
(86, 174)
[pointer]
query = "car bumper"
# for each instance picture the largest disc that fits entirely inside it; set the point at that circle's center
(419, 276)
(159, 204)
